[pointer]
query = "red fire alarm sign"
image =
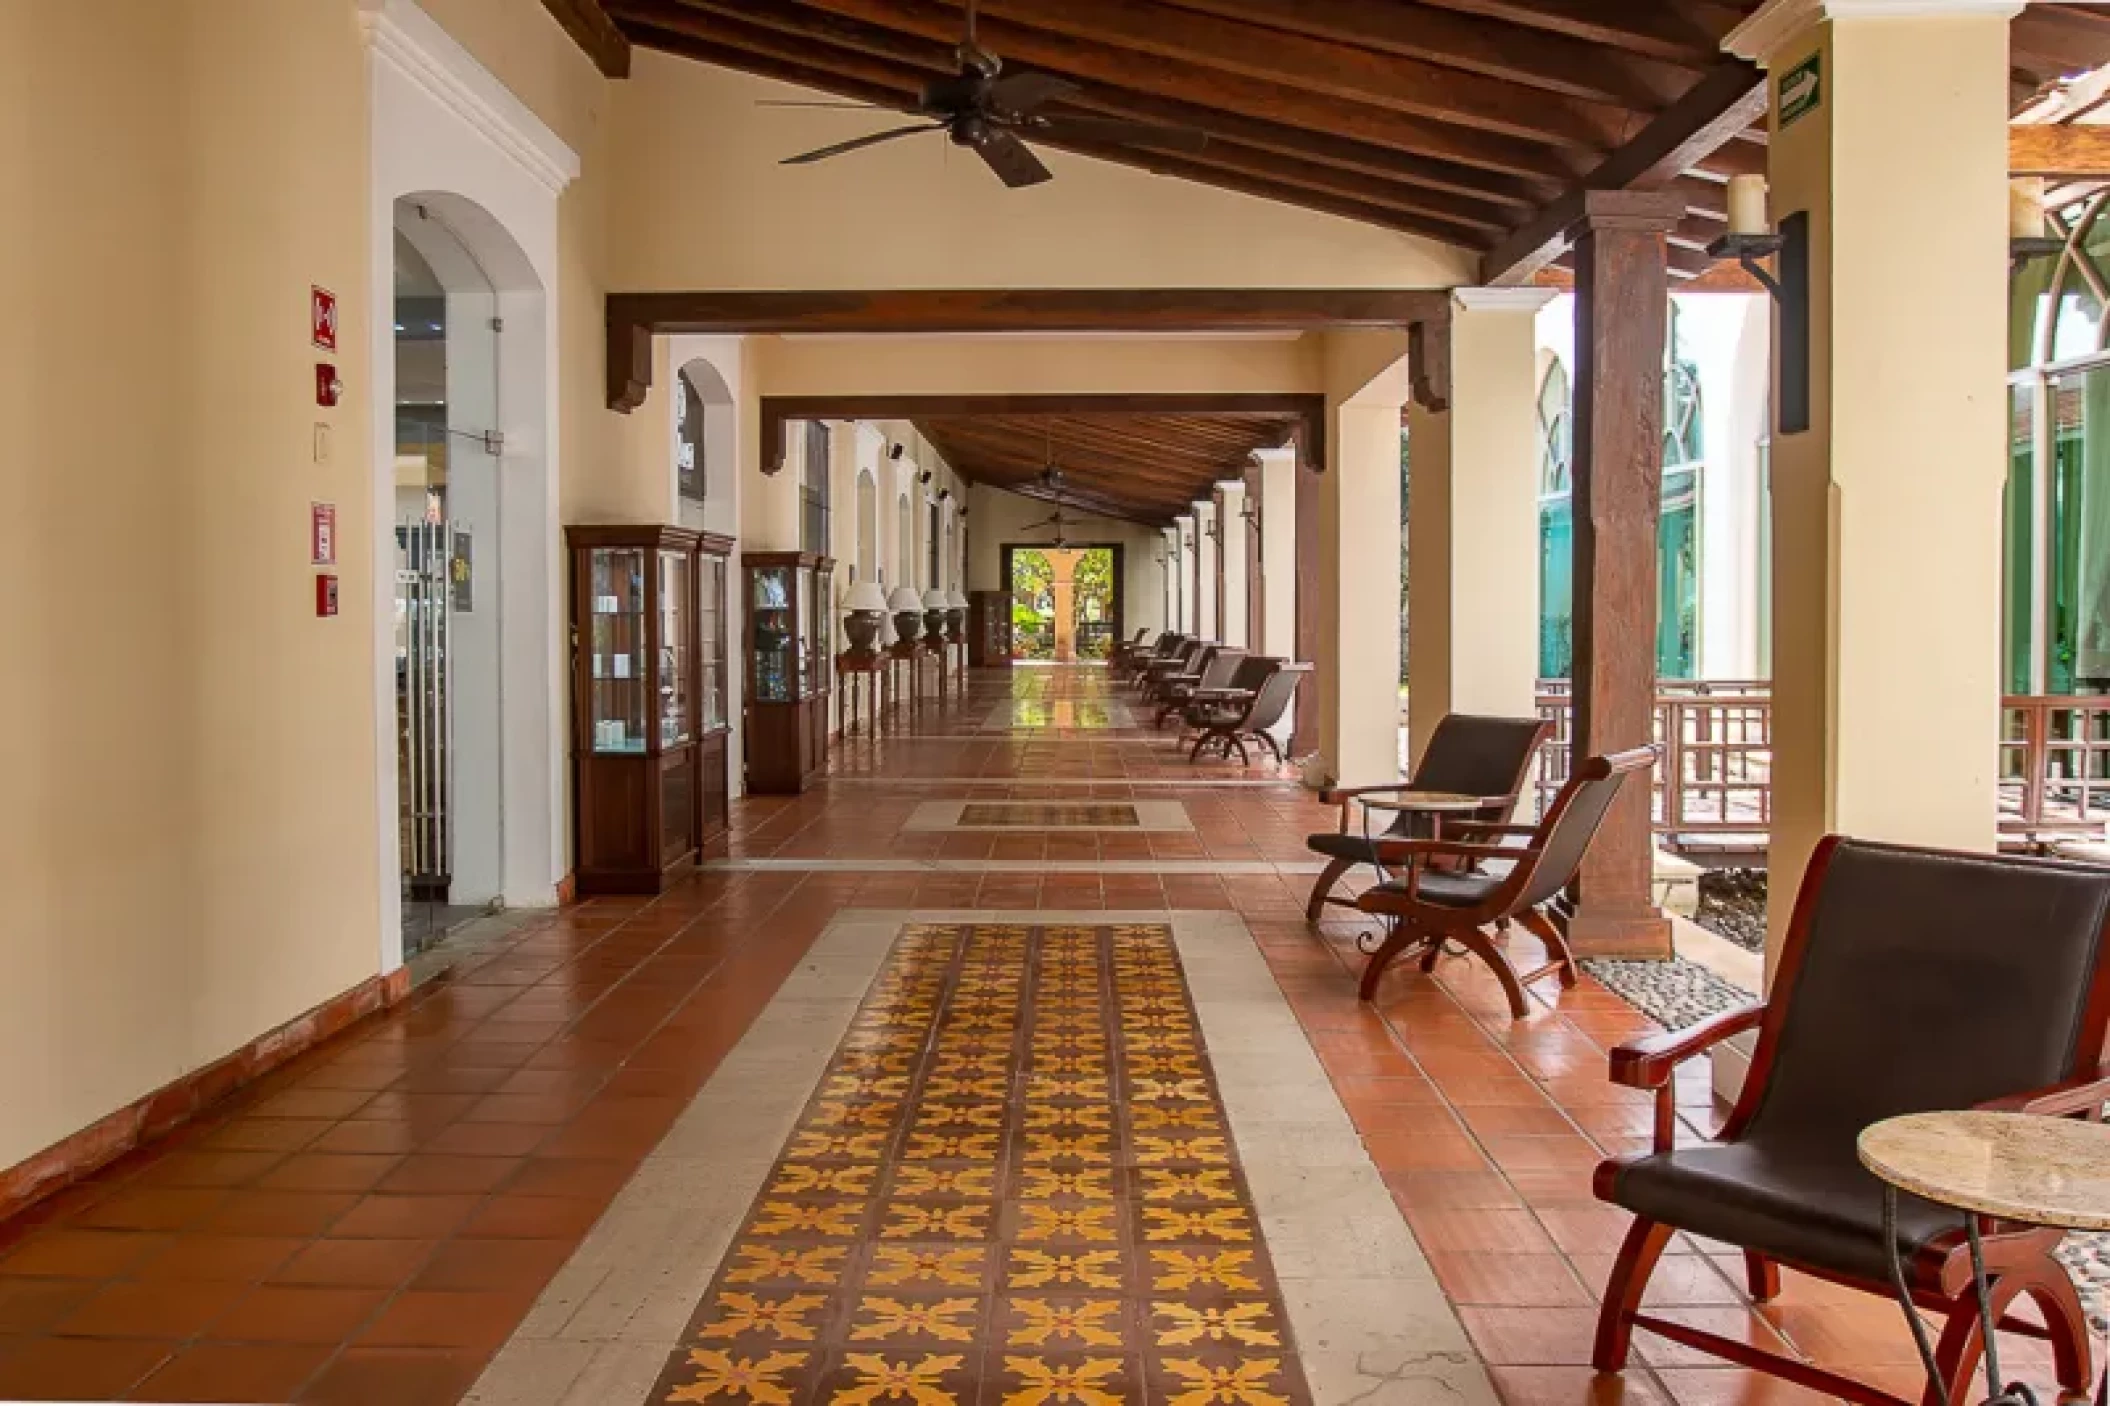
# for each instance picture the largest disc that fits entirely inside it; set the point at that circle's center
(322, 317)
(322, 533)
(325, 596)
(328, 388)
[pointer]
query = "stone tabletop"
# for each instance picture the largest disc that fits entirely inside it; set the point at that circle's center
(2017, 1166)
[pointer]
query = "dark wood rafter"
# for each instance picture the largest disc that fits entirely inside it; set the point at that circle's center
(1729, 99)
(635, 318)
(1147, 453)
(595, 33)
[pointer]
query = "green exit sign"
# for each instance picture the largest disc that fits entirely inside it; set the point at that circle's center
(1800, 90)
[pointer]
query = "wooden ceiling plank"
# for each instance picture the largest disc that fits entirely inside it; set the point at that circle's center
(1553, 62)
(1687, 32)
(595, 33)
(1721, 104)
(1196, 83)
(1321, 66)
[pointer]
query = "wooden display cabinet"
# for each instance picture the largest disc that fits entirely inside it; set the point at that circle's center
(636, 723)
(714, 584)
(989, 629)
(790, 638)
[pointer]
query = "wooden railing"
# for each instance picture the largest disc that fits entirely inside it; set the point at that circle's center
(1714, 787)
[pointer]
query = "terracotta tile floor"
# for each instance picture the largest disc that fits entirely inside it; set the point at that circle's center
(371, 1222)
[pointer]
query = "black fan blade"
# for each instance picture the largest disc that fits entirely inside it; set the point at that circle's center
(1014, 165)
(1024, 93)
(1118, 131)
(860, 142)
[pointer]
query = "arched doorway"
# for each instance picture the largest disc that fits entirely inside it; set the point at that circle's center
(867, 525)
(466, 523)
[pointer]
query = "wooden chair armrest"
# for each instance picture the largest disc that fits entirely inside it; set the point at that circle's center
(1342, 796)
(2064, 1100)
(1647, 1062)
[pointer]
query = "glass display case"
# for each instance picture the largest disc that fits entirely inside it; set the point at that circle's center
(713, 686)
(634, 706)
(789, 632)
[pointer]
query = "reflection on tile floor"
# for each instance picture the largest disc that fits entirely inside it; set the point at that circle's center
(1015, 1185)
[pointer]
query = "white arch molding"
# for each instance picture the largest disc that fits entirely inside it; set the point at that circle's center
(448, 135)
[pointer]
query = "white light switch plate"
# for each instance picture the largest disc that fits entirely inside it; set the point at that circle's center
(322, 443)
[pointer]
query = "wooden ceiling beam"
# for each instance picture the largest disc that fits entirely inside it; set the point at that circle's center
(1196, 83)
(1297, 60)
(2067, 151)
(1721, 104)
(1690, 31)
(1551, 62)
(595, 33)
(1237, 131)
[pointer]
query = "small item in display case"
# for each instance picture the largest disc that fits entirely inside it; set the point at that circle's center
(791, 631)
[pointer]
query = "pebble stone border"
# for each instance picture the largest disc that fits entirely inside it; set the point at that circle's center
(1681, 992)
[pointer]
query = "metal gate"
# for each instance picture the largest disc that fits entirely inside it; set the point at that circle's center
(425, 554)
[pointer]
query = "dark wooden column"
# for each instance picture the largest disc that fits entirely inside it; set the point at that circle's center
(1622, 309)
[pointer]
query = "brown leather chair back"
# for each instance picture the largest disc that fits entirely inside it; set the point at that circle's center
(1474, 755)
(1272, 700)
(1927, 980)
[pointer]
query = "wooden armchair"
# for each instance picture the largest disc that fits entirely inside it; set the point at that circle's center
(1429, 906)
(1179, 661)
(1191, 662)
(1218, 667)
(1467, 755)
(1125, 650)
(1911, 980)
(1228, 717)
(1127, 663)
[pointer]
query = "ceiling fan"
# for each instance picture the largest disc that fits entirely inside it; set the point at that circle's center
(1051, 481)
(987, 112)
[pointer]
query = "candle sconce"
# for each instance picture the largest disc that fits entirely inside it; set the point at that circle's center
(1787, 244)
(2027, 241)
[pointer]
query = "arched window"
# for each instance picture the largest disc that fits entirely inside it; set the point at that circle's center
(2056, 574)
(813, 490)
(689, 476)
(1556, 431)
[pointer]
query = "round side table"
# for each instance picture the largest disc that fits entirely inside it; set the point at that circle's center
(2020, 1167)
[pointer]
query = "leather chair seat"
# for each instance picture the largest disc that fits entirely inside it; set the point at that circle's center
(1815, 1210)
(1353, 848)
(1450, 888)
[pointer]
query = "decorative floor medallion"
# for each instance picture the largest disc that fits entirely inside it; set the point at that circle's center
(1051, 814)
(1015, 1187)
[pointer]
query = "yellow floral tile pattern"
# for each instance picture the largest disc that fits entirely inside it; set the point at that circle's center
(1015, 1186)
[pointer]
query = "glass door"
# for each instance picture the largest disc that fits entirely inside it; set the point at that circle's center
(447, 483)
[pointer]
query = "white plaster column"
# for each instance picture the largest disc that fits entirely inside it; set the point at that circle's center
(1231, 513)
(1207, 616)
(1358, 569)
(1887, 508)
(1183, 573)
(1472, 554)
(1278, 551)
(1168, 565)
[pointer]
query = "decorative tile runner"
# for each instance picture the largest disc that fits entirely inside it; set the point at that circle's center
(1042, 815)
(1015, 1187)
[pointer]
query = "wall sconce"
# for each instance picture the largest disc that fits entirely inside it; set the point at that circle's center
(1215, 531)
(1787, 243)
(924, 477)
(944, 494)
(894, 451)
(1249, 511)
(2026, 239)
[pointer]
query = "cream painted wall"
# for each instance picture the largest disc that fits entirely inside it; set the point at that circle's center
(189, 847)
(929, 216)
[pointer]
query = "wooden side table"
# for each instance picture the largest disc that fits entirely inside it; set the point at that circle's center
(902, 685)
(860, 678)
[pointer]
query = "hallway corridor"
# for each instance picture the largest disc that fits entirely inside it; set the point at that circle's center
(1000, 1068)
